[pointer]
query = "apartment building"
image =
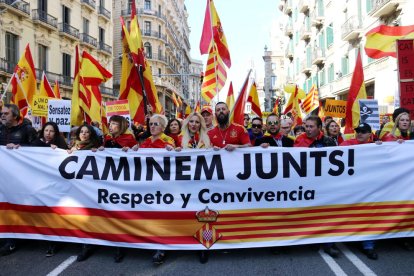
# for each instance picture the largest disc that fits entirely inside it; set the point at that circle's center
(165, 33)
(323, 37)
(53, 29)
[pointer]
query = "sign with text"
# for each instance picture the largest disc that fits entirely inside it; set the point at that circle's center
(335, 108)
(405, 56)
(40, 105)
(197, 199)
(119, 107)
(369, 113)
(59, 112)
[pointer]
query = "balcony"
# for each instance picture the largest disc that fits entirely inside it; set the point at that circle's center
(289, 29)
(155, 35)
(7, 66)
(66, 81)
(305, 33)
(68, 31)
(351, 29)
(318, 56)
(384, 7)
(88, 40)
(105, 48)
(21, 8)
(104, 13)
(106, 91)
(303, 6)
(155, 57)
(306, 67)
(89, 4)
(289, 51)
(317, 17)
(44, 19)
(287, 8)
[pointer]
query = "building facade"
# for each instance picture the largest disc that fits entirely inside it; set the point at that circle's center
(165, 33)
(323, 37)
(53, 29)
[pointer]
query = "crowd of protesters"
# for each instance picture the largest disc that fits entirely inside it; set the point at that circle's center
(197, 131)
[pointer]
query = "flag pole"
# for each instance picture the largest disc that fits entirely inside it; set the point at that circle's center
(7, 87)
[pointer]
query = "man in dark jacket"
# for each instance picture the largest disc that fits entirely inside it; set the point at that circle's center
(12, 135)
(273, 137)
(12, 132)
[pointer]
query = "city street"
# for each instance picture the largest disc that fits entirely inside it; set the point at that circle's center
(30, 259)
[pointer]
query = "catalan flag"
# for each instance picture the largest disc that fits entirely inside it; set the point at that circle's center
(380, 41)
(356, 92)
(24, 81)
(77, 114)
(213, 34)
(254, 100)
(311, 101)
(214, 77)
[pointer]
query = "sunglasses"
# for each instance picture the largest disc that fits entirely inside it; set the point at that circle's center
(256, 126)
(154, 124)
(272, 123)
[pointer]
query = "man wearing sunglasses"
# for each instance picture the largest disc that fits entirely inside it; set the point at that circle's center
(273, 137)
(256, 131)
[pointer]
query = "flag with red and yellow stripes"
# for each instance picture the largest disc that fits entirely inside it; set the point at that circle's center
(24, 81)
(253, 98)
(215, 76)
(296, 94)
(237, 113)
(381, 40)
(311, 100)
(230, 97)
(356, 92)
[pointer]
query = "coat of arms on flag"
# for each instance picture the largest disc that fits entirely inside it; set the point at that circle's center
(207, 235)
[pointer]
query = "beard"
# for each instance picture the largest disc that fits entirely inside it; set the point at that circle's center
(223, 119)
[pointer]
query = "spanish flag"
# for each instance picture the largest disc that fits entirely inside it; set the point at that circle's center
(237, 113)
(381, 40)
(254, 100)
(45, 89)
(24, 82)
(356, 92)
(230, 97)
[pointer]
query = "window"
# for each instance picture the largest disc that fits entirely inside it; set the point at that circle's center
(159, 10)
(159, 31)
(66, 70)
(148, 49)
(345, 65)
(147, 4)
(369, 5)
(147, 27)
(42, 58)
(159, 72)
(85, 26)
(65, 15)
(42, 5)
(273, 66)
(329, 35)
(101, 35)
(322, 41)
(12, 47)
(102, 3)
(273, 80)
(322, 77)
(331, 73)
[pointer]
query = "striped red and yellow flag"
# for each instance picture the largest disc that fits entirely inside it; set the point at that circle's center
(197, 107)
(56, 90)
(230, 97)
(214, 77)
(24, 82)
(76, 114)
(356, 92)
(45, 89)
(381, 40)
(296, 94)
(254, 100)
(237, 113)
(311, 100)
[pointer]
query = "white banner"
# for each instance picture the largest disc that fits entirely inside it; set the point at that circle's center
(199, 199)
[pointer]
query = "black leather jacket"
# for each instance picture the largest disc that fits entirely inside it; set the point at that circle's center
(22, 134)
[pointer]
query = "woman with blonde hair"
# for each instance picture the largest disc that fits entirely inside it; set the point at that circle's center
(400, 130)
(194, 133)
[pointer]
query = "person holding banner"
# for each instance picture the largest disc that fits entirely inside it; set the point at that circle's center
(194, 133)
(86, 139)
(158, 139)
(50, 136)
(173, 130)
(401, 128)
(273, 137)
(227, 135)
(315, 138)
(333, 130)
(119, 136)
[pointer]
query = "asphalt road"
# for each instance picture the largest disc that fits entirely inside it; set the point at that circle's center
(307, 260)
